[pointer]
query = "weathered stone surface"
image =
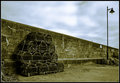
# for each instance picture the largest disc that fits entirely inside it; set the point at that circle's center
(66, 46)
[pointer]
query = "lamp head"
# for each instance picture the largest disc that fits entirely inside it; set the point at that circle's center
(112, 11)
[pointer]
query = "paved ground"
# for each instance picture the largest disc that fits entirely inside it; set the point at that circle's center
(88, 72)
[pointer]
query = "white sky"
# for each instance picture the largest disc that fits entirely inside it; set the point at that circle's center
(83, 19)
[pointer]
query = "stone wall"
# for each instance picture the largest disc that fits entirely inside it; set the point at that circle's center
(13, 33)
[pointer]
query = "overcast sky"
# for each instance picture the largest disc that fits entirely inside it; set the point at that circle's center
(83, 19)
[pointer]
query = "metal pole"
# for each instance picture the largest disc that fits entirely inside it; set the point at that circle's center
(107, 32)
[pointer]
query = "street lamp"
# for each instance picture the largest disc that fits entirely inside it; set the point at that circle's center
(111, 11)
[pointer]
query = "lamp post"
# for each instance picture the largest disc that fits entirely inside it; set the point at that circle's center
(111, 11)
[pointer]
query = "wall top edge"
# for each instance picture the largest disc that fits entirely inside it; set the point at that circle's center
(55, 32)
